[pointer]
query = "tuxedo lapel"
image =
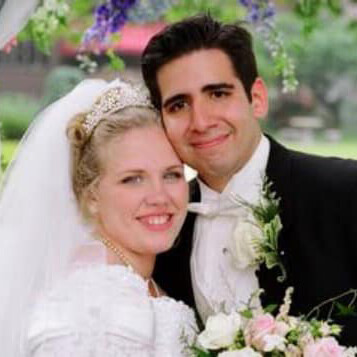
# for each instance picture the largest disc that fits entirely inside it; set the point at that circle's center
(279, 174)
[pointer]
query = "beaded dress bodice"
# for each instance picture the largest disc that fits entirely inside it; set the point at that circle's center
(106, 311)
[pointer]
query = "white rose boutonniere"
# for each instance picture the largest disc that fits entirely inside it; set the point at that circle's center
(255, 240)
(244, 244)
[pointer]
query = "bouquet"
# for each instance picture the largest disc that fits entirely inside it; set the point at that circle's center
(254, 332)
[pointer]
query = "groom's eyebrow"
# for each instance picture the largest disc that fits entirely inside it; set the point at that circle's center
(216, 86)
(206, 88)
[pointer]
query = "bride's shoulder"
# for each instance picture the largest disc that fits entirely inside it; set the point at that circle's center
(107, 278)
(95, 284)
(91, 296)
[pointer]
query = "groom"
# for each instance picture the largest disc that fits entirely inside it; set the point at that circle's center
(202, 76)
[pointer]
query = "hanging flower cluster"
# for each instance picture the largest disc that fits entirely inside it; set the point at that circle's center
(259, 11)
(110, 17)
(261, 14)
(46, 21)
(149, 10)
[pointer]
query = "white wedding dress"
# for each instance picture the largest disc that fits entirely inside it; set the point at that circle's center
(106, 311)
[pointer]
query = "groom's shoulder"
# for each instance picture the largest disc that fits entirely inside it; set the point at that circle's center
(333, 171)
(313, 162)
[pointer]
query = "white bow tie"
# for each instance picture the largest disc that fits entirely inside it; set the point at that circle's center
(212, 208)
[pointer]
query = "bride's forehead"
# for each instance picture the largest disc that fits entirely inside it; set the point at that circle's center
(146, 147)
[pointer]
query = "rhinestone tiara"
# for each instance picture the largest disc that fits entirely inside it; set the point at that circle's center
(121, 96)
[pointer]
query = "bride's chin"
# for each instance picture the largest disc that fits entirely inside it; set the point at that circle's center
(162, 245)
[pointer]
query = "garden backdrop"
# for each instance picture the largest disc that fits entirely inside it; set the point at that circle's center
(307, 54)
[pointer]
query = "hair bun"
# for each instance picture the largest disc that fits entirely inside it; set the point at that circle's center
(76, 132)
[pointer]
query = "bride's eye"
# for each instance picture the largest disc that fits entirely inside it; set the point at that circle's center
(136, 179)
(173, 175)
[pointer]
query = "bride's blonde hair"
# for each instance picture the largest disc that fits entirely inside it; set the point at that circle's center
(86, 160)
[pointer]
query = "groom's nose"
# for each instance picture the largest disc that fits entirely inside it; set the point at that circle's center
(200, 119)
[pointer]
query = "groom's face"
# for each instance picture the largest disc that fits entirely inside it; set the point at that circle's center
(207, 115)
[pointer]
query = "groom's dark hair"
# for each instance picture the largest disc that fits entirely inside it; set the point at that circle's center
(196, 33)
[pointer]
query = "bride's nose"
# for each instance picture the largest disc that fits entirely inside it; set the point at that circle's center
(157, 194)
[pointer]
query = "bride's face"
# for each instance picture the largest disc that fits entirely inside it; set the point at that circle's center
(142, 195)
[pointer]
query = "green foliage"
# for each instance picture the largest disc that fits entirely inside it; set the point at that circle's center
(323, 65)
(324, 55)
(8, 147)
(115, 61)
(239, 340)
(198, 352)
(184, 8)
(248, 314)
(343, 310)
(16, 114)
(270, 308)
(45, 24)
(59, 82)
(310, 11)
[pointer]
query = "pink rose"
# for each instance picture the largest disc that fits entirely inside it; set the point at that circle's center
(325, 347)
(258, 328)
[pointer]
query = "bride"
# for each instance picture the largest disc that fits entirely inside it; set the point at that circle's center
(95, 193)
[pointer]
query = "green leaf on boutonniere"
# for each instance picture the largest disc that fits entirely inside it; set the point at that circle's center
(265, 216)
(271, 260)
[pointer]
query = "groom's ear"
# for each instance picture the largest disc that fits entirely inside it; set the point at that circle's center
(260, 102)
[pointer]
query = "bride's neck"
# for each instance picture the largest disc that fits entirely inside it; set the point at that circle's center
(142, 265)
(118, 254)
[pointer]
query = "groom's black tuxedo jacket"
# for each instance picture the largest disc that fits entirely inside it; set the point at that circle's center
(318, 243)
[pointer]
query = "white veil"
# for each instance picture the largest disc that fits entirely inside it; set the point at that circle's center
(14, 15)
(40, 228)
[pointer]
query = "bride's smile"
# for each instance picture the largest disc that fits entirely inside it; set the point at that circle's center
(140, 202)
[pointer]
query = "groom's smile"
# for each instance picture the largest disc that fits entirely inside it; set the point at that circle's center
(208, 117)
(209, 142)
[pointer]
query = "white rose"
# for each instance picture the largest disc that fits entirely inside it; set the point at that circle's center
(274, 342)
(220, 331)
(245, 352)
(243, 244)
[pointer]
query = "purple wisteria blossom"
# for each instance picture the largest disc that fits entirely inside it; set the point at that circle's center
(258, 11)
(261, 14)
(109, 17)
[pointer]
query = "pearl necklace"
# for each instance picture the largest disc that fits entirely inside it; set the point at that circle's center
(117, 251)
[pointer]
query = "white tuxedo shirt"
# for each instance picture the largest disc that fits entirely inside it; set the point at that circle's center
(217, 283)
